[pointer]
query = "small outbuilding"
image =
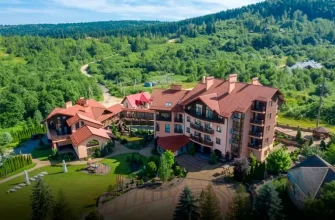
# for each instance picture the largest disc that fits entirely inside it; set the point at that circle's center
(320, 133)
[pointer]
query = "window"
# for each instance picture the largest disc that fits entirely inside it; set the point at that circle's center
(167, 128)
(197, 134)
(208, 125)
(271, 103)
(82, 123)
(267, 128)
(197, 122)
(218, 140)
(209, 113)
(157, 127)
(269, 116)
(188, 130)
(168, 104)
(198, 110)
(207, 137)
(218, 129)
(64, 117)
(188, 118)
(77, 125)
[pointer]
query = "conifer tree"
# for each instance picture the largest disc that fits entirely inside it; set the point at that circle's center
(209, 204)
(41, 201)
(186, 207)
(267, 204)
(239, 208)
(61, 209)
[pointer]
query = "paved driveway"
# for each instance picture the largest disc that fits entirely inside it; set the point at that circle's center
(160, 203)
(146, 204)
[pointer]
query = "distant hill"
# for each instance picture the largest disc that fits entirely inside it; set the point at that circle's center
(276, 8)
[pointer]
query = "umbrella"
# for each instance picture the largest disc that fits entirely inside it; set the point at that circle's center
(26, 177)
(64, 167)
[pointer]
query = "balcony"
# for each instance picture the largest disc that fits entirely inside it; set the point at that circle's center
(178, 131)
(160, 118)
(237, 132)
(178, 120)
(197, 127)
(255, 146)
(209, 130)
(258, 135)
(237, 119)
(215, 118)
(257, 122)
(259, 109)
(201, 140)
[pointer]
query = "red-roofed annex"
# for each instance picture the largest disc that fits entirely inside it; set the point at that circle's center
(77, 125)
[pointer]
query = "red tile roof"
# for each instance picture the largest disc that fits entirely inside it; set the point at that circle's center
(217, 97)
(135, 99)
(173, 143)
(160, 98)
(88, 110)
(86, 132)
(115, 109)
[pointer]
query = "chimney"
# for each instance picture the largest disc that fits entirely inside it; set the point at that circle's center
(175, 87)
(68, 104)
(255, 82)
(232, 79)
(203, 79)
(209, 82)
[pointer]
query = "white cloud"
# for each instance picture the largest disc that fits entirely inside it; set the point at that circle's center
(154, 9)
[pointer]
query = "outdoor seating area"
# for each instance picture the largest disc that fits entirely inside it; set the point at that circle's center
(96, 168)
(28, 180)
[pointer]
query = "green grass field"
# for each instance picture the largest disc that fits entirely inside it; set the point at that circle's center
(81, 189)
(303, 123)
(41, 154)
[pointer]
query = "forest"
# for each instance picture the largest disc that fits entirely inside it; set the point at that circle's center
(38, 73)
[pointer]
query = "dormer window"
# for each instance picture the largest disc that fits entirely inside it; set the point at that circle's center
(168, 104)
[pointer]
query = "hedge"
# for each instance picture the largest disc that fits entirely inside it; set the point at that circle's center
(27, 133)
(14, 163)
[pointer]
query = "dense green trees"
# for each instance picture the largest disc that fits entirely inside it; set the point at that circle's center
(11, 164)
(239, 208)
(209, 204)
(278, 161)
(42, 201)
(187, 207)
(241, 168)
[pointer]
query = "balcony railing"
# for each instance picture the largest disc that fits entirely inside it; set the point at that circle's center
(237, 119)
(201, 140)
(260, 109)
(178, 131)
(255, 146)
(209, 130)
(197, 127)
(256, 134)
(179, 120)
(159, 118)
(215, 118)
(257, 122)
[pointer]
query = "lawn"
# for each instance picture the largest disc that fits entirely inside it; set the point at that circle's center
(81, 189)
(303, 123)
(132, 139)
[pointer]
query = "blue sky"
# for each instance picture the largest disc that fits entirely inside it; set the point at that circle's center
(64, 11)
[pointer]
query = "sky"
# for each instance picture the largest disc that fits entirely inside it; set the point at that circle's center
(70, 11)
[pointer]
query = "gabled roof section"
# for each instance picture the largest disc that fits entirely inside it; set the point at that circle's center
(115, 109)
(321, 130)
(173, 143)
(79, 117)
(240, 98)
(85, 132)
(311, 174)
(137, 99)
(167, 99)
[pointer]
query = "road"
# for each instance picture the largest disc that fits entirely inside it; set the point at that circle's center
(109, 100)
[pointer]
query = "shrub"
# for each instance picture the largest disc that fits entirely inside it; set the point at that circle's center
(178, 171)
(298, 136)
(123, 141)
(310, 142)
(241, 168)
(5, 138)
(213, 159)
(151, 168)
(278, 161)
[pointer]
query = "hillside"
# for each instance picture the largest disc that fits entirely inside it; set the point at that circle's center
(38, 73)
